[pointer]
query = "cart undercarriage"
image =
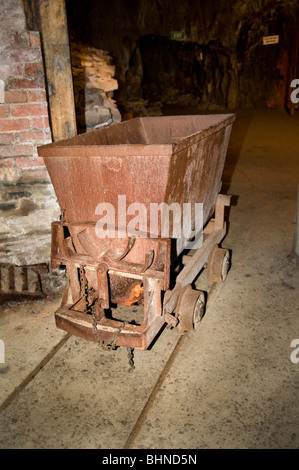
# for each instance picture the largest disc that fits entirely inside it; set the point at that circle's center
(93, 284)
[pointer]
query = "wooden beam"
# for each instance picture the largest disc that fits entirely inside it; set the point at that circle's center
(55, 43)
(32, 16)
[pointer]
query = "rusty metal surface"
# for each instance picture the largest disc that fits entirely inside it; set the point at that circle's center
(150, 256)
(70, 318)
(150, 160)
(175, 159)
(22, 280)
(194, 266)
(218, 264)
(125, 290)
(190, 308)
(111, 279)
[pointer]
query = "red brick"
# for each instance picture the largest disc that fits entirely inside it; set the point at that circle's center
(7, 162)
(8, 124)
(40, 123)
(5, 39)
(7, 137)
(8, 71)
(34, 38)
(34, 69)
(16, 150)
(24, 110)
(24, 83)
(14, 39)
(32, 136)
(36, 96)
(22, 54)
(17, 96)
(3, 111)
(22, 39)
(23, 162)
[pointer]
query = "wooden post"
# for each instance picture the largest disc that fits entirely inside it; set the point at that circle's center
(55, 43)
(32, 16)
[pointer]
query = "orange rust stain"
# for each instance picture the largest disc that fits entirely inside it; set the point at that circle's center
(136, 294)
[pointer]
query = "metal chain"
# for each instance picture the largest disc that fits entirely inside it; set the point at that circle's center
(131, 359)
(88, 309)
(84, 289)
(82, 279)
(110, 345)
(94, 327)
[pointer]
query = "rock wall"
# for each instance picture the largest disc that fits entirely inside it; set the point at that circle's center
(221, 61)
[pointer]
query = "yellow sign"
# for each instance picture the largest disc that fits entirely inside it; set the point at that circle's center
(270, 40)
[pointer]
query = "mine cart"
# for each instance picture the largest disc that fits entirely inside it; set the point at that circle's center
(139, 163)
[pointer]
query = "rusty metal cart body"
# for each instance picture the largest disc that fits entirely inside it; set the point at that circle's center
(148, 160)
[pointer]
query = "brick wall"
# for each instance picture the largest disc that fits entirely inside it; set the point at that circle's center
(27, 200)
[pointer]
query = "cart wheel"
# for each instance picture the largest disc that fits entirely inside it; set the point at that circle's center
(218, 264)
(190, 309)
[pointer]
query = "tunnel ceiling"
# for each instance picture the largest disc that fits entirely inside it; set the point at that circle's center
(220, 62)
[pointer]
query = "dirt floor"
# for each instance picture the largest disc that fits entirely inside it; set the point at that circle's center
(233, 383)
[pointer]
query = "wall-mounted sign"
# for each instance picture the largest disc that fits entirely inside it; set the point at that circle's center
(270, 40)
(177, 35)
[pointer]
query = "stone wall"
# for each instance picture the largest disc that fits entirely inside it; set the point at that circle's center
(27, 200)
